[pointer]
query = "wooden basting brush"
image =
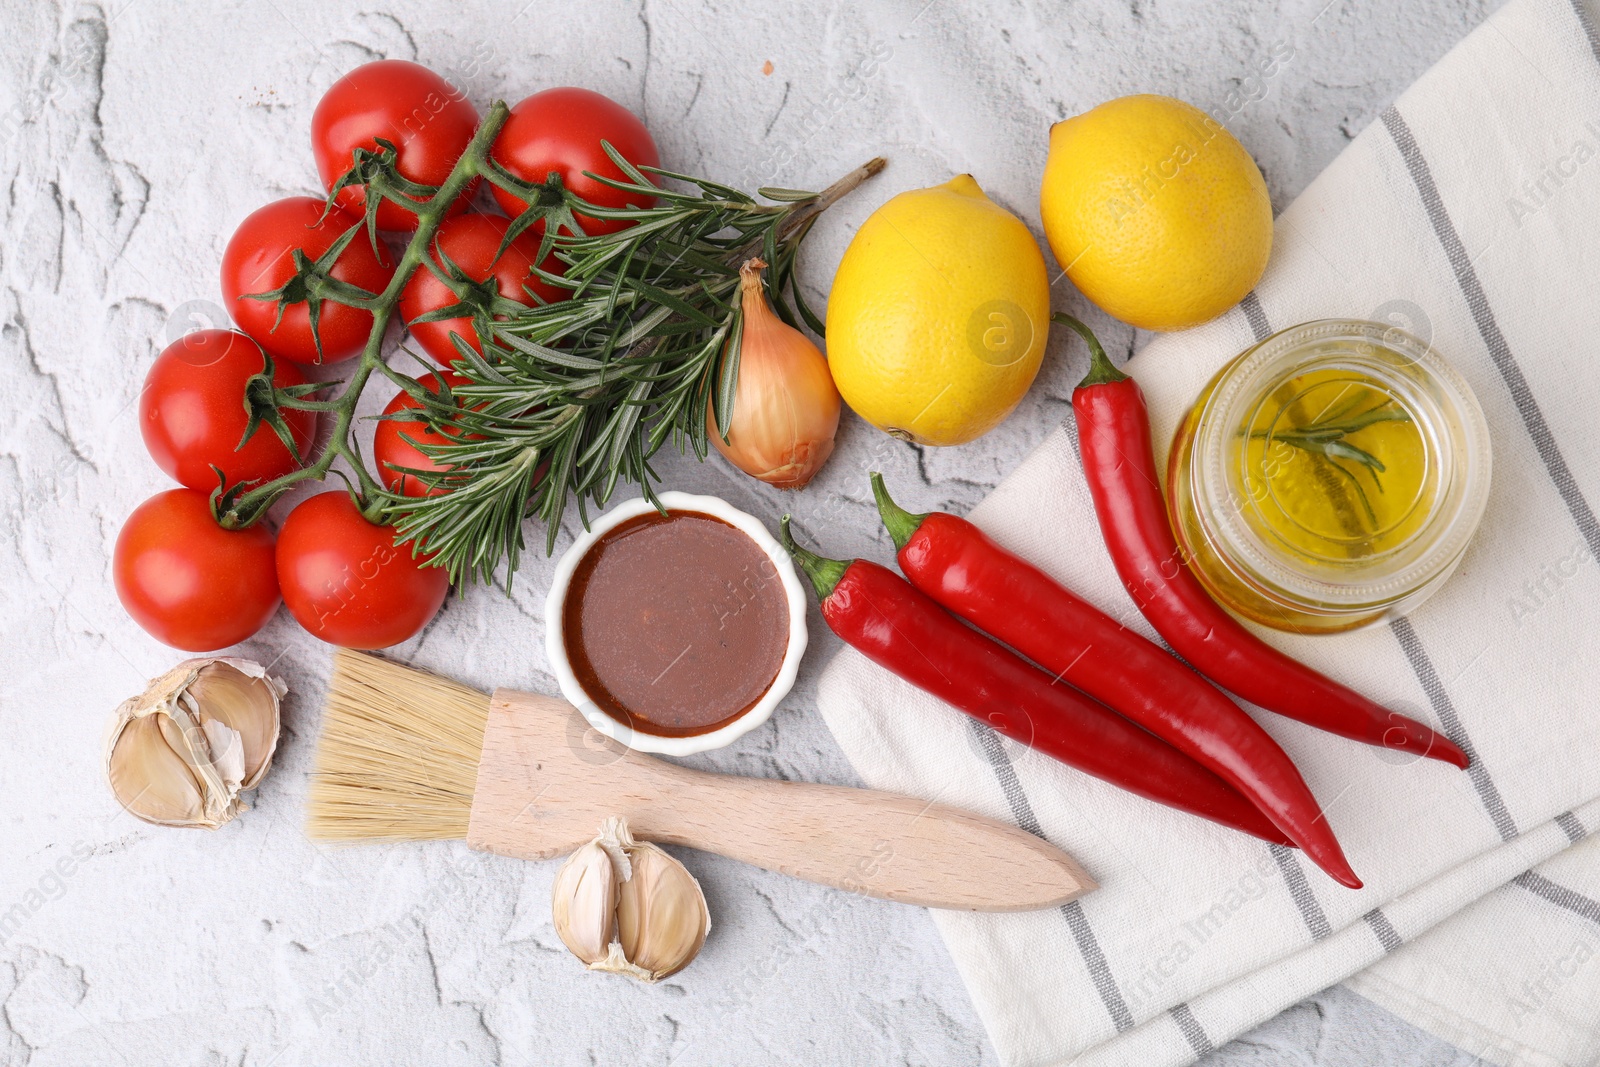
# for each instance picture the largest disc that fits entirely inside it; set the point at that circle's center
(407, 755)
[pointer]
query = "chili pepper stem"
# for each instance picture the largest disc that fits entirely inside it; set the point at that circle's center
(1101, 370)
(824, 573)
(900, 523)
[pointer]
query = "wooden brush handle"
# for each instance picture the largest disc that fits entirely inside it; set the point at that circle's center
(864, 841)
(541, 794)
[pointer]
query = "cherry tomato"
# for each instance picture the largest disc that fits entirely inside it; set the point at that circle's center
(560, 130)
(189, 582)
(347, 582)
(260, 258)
(470, 242)
(428, 120)
(192, 413)
(391, 449)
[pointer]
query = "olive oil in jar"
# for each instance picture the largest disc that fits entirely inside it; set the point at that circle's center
(1329, 476)
(1333, 465)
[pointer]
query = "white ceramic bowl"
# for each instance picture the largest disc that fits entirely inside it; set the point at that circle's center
(556, 646)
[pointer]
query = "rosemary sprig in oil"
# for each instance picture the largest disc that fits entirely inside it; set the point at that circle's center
(1326, 437)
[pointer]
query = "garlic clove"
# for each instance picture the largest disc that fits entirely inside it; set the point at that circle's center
(235, 697)
(180, 752)
(662, 917)
(150, 779)
(583, 903)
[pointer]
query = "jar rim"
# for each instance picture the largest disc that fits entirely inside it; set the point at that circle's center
(1454, 429)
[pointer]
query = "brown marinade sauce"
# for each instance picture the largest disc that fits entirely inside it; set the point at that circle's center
(675, 624)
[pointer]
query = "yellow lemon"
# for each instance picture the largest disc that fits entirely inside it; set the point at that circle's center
(1156, 211)
(937, 318)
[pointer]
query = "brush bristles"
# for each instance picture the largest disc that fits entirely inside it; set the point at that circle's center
(398, 757)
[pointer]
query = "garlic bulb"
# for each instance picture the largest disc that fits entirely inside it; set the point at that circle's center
(785, 405)
(628, 907)
(179, 753)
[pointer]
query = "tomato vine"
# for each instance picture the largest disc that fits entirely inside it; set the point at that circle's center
(238, 506)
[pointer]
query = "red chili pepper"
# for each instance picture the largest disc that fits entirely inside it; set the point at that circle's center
(953, 562)
(878, 613)
(1114, 439)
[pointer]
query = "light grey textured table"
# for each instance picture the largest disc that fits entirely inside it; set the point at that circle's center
(135, 135)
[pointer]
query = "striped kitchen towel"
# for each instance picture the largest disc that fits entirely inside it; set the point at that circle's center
(1469, 215)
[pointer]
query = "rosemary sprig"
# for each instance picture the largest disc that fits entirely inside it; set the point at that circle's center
(594, 385)
(1325, 437)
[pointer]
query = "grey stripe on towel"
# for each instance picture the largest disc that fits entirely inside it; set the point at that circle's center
(1559, 895)
(1105, 983)
(1571, 827)
(1193, 1032)
(1260, 328)
(1590, 31)
(1383, 930)
(1488, 329)
(1443, 707)
(1294, 878)
(1099, 970)
(1006, 775)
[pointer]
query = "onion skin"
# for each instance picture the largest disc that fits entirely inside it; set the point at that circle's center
(786, 407)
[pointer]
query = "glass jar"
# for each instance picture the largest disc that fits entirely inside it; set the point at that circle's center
(1328, 476)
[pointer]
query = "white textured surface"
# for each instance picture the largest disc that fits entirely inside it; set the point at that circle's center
(134, 137)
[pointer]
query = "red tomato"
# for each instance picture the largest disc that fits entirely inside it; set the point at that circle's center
(192, 414)
(470, 242)
(428, 120)
(560, 130)
(347, 582)
(391, 449)
(189, 582)
(260, 258)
